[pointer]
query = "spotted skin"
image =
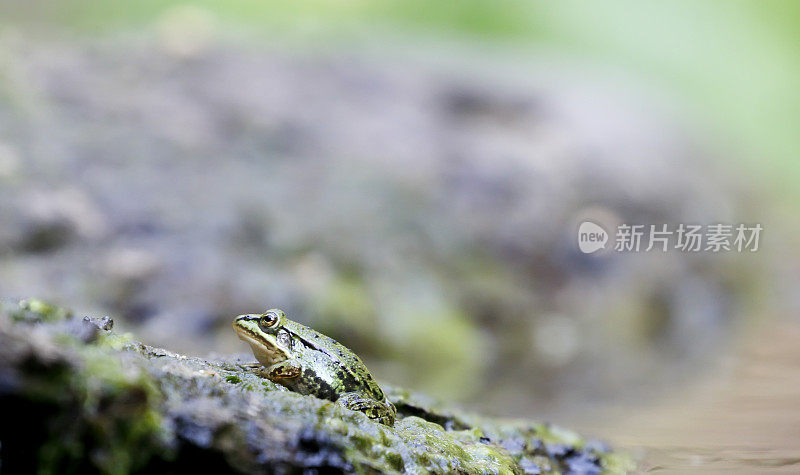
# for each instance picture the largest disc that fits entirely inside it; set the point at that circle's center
(308, 362)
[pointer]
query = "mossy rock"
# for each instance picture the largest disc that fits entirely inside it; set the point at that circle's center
(76, 397)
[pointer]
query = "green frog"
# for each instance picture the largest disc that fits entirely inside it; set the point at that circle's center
(308, 362)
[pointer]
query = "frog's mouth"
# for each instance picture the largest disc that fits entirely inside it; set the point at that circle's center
(267, 353)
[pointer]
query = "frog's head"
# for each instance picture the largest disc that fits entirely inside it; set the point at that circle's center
(263, 333)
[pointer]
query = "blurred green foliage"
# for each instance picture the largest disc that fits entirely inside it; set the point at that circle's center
(734, 63)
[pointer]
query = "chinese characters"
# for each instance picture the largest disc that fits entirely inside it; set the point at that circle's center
(715, 237)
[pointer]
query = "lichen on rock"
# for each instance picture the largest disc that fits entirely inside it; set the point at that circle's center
(76, 396)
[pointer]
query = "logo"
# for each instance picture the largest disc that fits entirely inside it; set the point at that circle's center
(591, 237)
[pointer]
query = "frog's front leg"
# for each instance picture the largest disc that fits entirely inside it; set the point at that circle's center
(286, 369)
(383, 412)
(282, 370)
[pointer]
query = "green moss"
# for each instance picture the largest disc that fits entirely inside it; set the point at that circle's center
(557, 435)
(617, 462)
(35, 310)
(233, 379)
(120, 428)
(393, 460)
(453, 451)
(115, 341)
(96, 409)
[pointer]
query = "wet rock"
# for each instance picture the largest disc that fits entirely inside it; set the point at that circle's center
(111, 404)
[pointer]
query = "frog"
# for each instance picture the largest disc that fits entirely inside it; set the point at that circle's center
(305, 361)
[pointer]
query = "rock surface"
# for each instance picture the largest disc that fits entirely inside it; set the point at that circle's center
(75, 396)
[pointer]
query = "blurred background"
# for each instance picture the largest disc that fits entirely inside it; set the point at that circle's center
(409, 177)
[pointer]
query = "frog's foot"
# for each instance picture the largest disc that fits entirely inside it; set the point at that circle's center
(382, 412)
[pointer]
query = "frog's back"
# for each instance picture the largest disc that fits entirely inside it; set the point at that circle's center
(347, 372)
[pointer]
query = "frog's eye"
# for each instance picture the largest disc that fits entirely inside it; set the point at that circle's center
(268, 320)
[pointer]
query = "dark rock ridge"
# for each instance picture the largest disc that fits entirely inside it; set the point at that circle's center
(76, 397)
